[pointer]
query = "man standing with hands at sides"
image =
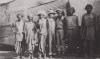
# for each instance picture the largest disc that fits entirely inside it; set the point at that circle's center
(43, 33)
(59, 30)
(18, 33)
(51, 23)
(30, 36)
(88, 30)
(72, 30)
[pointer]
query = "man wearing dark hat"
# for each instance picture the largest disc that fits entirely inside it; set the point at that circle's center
(88, 30)
(43, 32)
(59, 30)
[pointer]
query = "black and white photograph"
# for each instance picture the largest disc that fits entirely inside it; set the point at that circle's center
(49, 29)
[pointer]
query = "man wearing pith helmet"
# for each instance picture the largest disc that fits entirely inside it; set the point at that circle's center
(51, 29)
(43, 32)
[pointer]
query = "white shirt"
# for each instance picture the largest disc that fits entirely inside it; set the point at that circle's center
(19, 27)
(29, 26)
(51, 24)
(43, 26)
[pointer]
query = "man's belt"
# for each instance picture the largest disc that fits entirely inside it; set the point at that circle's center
(59, 28)
(74, 27)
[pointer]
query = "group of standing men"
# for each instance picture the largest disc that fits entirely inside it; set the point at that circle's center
(38, 33)
(56, 27)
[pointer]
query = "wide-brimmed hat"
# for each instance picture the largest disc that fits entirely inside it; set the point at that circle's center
(43, 12)
(52, 12)
(59, 10)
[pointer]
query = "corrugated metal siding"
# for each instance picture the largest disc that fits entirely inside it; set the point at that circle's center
(52, 5)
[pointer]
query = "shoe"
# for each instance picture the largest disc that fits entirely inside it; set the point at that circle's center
(50, 54)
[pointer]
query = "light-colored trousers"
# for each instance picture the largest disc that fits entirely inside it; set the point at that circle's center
(51, 37)
(43, 43)
(18, 47)
(30, 41)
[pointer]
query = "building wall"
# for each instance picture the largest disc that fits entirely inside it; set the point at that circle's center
(34, 10)
(3, 15)
(23, 6)
(96, 5)
(18, 5)
(78, 4)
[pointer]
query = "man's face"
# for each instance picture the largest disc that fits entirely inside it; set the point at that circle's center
(30, 18)
(42, 16)
(59, 14)
(19, 18)
(89, 11)
(71, 11)
(52, 15)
